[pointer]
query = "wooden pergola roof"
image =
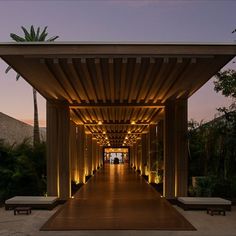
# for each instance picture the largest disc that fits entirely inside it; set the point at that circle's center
(116, 89)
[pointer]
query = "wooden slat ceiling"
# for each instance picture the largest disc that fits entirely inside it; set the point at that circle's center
(116, 94)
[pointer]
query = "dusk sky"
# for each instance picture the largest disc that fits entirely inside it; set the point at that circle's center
(121, 20)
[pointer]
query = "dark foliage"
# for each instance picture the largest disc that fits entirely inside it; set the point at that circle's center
(22, 170)
(212, 152)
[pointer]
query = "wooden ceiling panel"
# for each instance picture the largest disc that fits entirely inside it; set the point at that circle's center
(119, 76)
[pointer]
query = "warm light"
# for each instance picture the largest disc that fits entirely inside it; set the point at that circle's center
(133, 122)
(104, 132)
(72, 197)
(99, 122)
(106, 138)
(126, 137)
(129, 132)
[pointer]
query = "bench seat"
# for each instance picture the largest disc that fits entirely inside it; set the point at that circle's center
(35, 202)
(202, 203)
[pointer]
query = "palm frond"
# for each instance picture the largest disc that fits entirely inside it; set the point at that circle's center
(52, 38)
(8, 68)
(17, 38)
(37, 34)
(42, 35)
(32, 33)
(30, 36)
(27, 34)
(17, 76)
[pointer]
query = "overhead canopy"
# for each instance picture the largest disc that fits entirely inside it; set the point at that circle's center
(116, 88)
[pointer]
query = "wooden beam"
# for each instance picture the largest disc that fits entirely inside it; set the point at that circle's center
(104, 124)
(76, 105)
(116, 49)
(118, 133)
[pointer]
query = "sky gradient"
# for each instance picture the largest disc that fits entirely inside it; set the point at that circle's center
(94, 20)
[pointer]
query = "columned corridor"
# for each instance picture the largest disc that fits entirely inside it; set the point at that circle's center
(117, 198)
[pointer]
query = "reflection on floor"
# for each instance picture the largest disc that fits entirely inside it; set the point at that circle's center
(117, 198)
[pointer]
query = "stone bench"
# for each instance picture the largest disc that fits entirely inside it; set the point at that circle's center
(213, 211)
(202, 203)
(35, 202)
(20, 210)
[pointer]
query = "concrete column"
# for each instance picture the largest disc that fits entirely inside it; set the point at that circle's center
(52, 150)
(169, 151)
(131, 156)
(73, 152)
(58, 152)
(81, 152)
(89, 155)
(181, 148)
(100, 156)
(160, 147)
(64, 151)
(144, 154)
(139, 155)
(152, 152)
(94, 144)
(135, 155)
(175, 149)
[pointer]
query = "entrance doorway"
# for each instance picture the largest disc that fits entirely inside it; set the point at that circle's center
(116, 155)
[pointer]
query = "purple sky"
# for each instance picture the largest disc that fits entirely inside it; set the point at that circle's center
(121, 20)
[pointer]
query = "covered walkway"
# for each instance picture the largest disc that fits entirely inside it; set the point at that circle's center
(123, 94)
(117, 198)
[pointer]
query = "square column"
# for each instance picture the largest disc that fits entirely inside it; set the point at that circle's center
(100, 156)
(52, 150)
(175, 149)
(89, 154)
(160, 147)
(144, 155)
(81, 152)
(169, 151)
(73, 152)
(131, 156)
(152, 136)
(58, 151)
(181, 148)
(139, 155)
(94, 147)
(97, 156)
(135, 155)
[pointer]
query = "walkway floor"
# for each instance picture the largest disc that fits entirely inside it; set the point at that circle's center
(117, 198)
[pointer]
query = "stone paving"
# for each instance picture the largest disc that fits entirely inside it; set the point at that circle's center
(28, 225)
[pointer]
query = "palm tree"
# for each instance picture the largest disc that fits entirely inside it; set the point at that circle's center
(33, 36)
